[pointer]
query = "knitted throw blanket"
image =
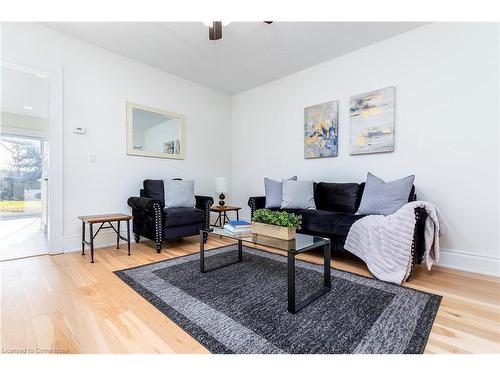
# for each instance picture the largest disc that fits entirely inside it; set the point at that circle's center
(384, 242)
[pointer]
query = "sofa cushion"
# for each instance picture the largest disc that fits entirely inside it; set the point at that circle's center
(298, 194)
(384, 198)
(274, 191)
(154, 189)
(183, 216)
(336, 197)
(412, 197)
(328, 222)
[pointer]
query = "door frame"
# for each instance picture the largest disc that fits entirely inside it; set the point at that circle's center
(55, 232)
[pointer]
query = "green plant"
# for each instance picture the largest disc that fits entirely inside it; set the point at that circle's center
(279, 218)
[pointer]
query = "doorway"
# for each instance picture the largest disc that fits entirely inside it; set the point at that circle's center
(24, 161)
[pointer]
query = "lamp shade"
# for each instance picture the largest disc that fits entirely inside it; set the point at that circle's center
(221, 184)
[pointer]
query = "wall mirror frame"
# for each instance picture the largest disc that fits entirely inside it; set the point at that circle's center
(154, 132)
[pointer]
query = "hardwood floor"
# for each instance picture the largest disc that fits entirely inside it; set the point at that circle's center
(64, 303)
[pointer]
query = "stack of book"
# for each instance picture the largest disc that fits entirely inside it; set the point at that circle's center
(239, 227)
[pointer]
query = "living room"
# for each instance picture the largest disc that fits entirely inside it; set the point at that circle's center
(378, 143)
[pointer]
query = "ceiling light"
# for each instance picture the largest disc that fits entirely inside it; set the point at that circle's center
(27, 107)
(40, 75)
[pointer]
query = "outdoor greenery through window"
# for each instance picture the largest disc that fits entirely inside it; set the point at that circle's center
(21, 169)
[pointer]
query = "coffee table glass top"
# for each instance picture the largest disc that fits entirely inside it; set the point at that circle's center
(301, 242)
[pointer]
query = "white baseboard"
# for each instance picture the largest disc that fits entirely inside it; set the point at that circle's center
(103, 239)
(470, 263)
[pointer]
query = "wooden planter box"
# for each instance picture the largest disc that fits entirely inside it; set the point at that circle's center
(283, 233)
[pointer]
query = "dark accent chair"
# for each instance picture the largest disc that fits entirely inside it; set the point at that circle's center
(157, 223)
(336, 205)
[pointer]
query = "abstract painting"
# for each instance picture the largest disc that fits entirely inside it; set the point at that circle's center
(321, 130)
(372, 122)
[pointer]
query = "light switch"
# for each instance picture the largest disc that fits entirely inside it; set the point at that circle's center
(92, 157)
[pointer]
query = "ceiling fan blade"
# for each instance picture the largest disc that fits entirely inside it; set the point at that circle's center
(215, 32)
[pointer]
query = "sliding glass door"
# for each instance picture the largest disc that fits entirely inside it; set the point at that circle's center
(21, 167)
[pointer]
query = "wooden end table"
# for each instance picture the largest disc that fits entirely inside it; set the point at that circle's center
(103, 219)
(222, 219)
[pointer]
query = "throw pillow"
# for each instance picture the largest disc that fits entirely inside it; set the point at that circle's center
(384, 198)
(298, 194)
(179, 193)
(274, 192)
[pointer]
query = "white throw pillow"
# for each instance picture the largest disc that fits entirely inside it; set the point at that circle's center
(298, 194)
(179, 193)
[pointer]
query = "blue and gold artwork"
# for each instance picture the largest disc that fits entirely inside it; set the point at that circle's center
(372, 122)
(321, 130)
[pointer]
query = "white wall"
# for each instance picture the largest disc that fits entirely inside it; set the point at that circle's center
(447, 95)
(97, 84)
(446, 129)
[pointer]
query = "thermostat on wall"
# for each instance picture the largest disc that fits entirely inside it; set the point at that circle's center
(79, 130)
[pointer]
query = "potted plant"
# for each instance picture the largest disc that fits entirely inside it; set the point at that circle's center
(278, 224)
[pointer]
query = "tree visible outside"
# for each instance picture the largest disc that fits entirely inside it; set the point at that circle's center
(21, 169)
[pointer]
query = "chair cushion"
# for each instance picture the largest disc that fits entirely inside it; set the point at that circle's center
(328, 222)
(154, 189)
(175, 217)
(336, 197)
(179, 193)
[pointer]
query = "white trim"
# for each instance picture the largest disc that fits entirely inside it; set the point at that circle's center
(56, 178)
(468, 262)
(21, 132)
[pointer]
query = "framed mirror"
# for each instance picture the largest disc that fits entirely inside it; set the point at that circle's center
(154, 132)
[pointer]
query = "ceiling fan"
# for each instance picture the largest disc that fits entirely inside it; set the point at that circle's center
(215, 29)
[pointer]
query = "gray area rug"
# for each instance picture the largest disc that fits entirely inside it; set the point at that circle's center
(242, 308)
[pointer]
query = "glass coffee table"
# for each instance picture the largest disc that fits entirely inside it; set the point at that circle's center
(300, 244)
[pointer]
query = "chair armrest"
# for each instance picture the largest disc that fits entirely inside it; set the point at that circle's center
(148, 218)
(143, 203)
(202, 201)
(256, 203)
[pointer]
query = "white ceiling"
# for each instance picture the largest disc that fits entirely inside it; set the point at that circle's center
(248, 55)
(20, 88)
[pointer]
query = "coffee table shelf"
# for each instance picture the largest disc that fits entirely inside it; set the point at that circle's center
(300, 244)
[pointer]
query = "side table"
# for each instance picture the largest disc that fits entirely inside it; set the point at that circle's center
(222, 219)
(103, 219)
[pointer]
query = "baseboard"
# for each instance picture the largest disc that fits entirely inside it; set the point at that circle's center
(448, 258)
(103, 239)
(470, 263)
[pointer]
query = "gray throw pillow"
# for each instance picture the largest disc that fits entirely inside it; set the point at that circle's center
(179, 193)
(384, 198)
(273, 192)
(298, 194)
